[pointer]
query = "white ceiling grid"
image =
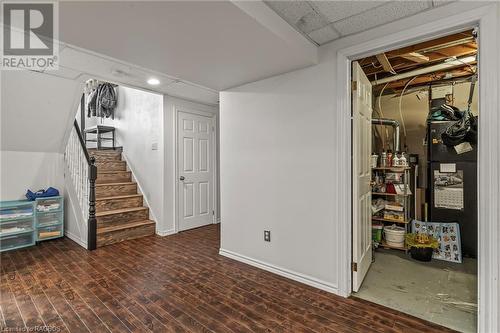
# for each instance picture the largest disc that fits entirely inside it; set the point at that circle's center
(325, 21)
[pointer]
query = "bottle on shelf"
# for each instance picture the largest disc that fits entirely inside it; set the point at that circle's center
(383, 159)
(395, 160)
(403, 161)
(389, 158)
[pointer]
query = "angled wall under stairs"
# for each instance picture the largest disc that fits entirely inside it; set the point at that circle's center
(119, 207)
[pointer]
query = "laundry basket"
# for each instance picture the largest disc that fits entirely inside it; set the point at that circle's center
(394, 236)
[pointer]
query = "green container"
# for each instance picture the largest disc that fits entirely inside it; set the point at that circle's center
(377, 232)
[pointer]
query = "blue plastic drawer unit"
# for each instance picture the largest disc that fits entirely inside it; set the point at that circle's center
(17, 225)
(49, 218)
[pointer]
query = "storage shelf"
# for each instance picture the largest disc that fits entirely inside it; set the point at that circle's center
(394, 168)
(391, 194)
(387, 246)
(388, 220)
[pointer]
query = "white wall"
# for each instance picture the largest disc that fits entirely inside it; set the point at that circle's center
(21, 170)
(171, 104)
(139, 123)
(279, 171)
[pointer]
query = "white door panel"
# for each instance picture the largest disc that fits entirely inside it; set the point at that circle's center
(195, 171)
(361, 150)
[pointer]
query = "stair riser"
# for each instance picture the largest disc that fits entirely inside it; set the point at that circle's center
(114, 190)
(113, 204)
(111, 166)
(119, 177)
(125, 234)
(103, 157)
(121, 218)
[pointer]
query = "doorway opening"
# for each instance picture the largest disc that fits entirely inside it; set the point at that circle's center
(414, 159)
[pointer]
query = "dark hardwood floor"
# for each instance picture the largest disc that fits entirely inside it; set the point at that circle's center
(172, 284)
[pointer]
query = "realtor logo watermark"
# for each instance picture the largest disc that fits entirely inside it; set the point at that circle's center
(29, 35)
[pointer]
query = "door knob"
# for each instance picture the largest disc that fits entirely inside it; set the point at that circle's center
(182, 178)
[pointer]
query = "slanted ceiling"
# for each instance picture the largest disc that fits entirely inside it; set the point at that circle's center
(325, 21)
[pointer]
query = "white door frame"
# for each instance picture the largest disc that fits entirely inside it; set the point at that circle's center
(488, 155)
(213, 153)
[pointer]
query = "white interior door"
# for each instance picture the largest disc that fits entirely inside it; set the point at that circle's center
(195, 164)
(361, 150)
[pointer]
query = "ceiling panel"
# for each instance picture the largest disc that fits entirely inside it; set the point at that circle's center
(338, 10)
(389, 12)
(325, 21)
(324, 35)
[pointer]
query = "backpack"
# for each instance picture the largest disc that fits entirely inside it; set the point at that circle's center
(50, 192)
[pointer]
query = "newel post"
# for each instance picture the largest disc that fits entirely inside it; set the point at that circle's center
(92, 223)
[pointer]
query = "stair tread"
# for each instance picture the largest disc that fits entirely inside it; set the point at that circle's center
(120, 211)
(111, 184)
(115, 197)
(124, 226)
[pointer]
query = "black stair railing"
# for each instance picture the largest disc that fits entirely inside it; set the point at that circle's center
(92, 221)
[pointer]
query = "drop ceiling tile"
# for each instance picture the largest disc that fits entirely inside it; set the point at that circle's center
(310, 22)
(437, 3)
(338, 10)
(291, 11)
(389, 12)
(323, 35)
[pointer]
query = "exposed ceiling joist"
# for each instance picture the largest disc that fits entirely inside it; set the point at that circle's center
(386, 64)
(416, 57)
(400, 64)
(435, 44)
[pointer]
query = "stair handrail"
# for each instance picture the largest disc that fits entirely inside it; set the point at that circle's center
(84, 175)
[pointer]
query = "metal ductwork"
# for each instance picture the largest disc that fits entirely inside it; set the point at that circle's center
(389, 122)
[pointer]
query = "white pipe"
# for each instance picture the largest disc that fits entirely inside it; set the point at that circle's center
(426, 70)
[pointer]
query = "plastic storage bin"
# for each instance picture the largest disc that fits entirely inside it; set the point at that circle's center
(16, 241)
(51, 204)
(47, 219)
(377, 232)
(50, 232)
(49, 214)
(16, 227)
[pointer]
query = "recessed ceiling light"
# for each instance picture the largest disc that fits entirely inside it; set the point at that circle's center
(154, 82)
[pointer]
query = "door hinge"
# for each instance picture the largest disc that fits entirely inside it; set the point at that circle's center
(354, 266)
(354, 85)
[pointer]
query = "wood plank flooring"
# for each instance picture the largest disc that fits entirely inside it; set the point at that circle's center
(177, 283)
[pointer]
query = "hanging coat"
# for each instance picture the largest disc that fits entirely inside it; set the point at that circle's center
(92, 104)
(106, 100)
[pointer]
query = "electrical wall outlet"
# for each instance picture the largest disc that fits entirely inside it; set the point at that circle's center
(267, 235)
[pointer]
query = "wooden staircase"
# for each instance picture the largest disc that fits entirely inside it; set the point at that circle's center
(120, 212)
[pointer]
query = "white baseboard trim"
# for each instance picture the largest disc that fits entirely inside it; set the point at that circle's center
(299, 277)
(166, 232)
(75, 239)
